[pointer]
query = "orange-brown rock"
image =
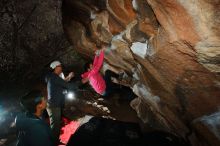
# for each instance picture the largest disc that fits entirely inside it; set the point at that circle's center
(147, 21)
(78, 38)
(171, 49)
(114, 26)
(121, 10)
(100, 27)
(207, 129)
(168, 14)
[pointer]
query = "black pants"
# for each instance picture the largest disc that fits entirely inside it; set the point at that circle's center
(110, 86)
(55, 121)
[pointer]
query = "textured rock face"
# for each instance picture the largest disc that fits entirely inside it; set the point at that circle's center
(31, 36)
(171, 48)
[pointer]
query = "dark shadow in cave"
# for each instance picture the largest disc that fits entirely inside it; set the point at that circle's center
(100, 131)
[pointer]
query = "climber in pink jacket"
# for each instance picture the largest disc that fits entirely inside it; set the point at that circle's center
(93, 76)
(104, 85)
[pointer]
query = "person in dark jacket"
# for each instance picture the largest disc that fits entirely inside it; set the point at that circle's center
(32, 130)
(56, 87)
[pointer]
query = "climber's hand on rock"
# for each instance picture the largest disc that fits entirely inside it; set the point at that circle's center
(97, 52)
(104, 48)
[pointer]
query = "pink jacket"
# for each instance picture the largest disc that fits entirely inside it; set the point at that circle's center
(95, 78)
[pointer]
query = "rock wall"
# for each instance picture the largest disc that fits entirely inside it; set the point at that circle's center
(170, 48)
(31, 37)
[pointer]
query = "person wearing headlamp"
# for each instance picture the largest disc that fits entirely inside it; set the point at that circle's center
(57, 84)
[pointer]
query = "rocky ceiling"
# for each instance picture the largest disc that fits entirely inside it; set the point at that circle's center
(170, 48)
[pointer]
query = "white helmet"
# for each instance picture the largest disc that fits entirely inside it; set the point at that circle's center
(54, 64)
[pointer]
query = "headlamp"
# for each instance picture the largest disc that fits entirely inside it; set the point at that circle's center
(70, 95)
